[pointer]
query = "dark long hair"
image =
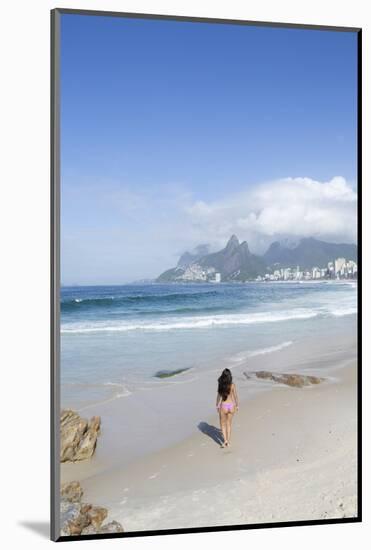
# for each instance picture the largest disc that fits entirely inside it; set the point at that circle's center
(225, 383)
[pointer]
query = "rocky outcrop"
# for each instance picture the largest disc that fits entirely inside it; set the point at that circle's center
(234, 262)
(293, 380)
(71, 491)
(188, 258)
(78, 436)
(79, 518)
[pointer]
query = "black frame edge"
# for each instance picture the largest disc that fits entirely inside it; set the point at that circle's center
(196, 530)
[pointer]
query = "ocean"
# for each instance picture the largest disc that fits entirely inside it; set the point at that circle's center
(116, 340)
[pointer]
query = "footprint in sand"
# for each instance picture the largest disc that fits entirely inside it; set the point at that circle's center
(153, 476)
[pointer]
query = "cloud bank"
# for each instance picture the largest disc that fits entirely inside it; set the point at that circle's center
(114, 232)
(289, 207)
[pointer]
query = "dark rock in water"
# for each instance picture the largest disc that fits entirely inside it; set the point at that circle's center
(78, 436)
(293, 380)
(169, 373)
(78, 518)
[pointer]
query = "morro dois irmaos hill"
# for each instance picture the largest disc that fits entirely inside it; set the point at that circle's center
(236, 262)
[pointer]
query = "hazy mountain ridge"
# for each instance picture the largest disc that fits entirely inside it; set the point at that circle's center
(309, 252)
(236, 262)
(188, 258)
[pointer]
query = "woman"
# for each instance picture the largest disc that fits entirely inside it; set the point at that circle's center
(226, 404)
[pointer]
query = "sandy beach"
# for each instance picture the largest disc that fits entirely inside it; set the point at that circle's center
(293, 455)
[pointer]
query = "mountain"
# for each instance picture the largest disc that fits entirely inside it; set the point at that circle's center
(188, 258)
(307, 253)
(235, 262)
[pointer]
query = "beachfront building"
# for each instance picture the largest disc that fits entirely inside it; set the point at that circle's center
(298, 274)
(194, 272)
(217, 278)
(287, 274)
(331, 270)
(350, 269)
(340, 267)
(316, 273)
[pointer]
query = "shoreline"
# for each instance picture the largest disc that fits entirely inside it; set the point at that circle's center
(130, 422)
(293, 452)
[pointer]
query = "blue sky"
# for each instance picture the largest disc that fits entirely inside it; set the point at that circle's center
(171, 131)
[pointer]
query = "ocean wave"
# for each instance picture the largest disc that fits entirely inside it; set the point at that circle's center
(193, 322)
(244, 355)
(344, 311)
(116, 301)
(271, 349)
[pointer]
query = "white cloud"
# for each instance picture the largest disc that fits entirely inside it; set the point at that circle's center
(113, 232)
(290, 207)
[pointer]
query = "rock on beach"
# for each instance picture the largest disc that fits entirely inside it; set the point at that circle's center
(78, 436)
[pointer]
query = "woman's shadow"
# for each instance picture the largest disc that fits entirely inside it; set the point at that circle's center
(212, 431)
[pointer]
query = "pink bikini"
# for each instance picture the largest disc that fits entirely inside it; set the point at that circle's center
(227, 406)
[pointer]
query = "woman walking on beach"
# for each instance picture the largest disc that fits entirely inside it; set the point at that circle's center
(226, 404)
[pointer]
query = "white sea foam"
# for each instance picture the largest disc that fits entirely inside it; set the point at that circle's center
(344, 311)
(123, 390)
(348, 307)
(243, 355)
(270, 349)
(193, 322)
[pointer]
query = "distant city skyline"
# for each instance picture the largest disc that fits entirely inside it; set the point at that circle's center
(175, 134)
